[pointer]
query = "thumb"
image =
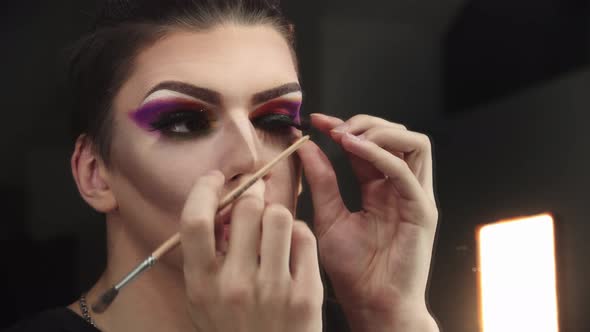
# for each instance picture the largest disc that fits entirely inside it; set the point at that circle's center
(325, 195)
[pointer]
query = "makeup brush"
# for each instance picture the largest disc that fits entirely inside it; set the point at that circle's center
(105, 300)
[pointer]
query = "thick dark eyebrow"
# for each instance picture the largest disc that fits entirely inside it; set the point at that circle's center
(273, 93)
(214, 97)
(206, 95)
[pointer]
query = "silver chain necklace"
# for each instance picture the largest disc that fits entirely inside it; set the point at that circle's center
(85, 311)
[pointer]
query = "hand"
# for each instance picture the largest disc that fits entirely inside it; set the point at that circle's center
(280, 292)
(378, 259)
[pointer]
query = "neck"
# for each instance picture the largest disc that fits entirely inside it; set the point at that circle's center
(155, 301)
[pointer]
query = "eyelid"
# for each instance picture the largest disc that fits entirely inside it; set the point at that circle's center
(176, 102)
(158, 109)
(164, 94)
(296, 96)
(174, 116)
(202, 122)
(291, 108)
(280, 100)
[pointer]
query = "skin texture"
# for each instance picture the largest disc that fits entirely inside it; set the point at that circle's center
(378, 258)
(387, 246)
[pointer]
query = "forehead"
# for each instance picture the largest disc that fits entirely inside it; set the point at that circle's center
(232, 59)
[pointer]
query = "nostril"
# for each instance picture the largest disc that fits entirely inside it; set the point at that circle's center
(235, 177)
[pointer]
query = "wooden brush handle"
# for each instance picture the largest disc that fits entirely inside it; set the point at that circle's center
(170, 244)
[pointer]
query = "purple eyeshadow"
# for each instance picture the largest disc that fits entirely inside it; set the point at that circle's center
(294, 110)
(149, 113)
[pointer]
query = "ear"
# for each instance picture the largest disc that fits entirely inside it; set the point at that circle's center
(92, 176)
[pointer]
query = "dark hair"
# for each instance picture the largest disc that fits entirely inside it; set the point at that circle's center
(102, 60)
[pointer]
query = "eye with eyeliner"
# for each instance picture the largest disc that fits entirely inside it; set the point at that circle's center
(277, 116)
(188, 118)
(175, 117)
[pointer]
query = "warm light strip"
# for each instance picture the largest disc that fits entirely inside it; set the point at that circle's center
(517, 275)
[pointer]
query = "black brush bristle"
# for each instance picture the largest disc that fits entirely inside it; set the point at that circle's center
(105, 300)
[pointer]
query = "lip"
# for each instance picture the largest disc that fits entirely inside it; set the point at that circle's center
(222, 221)
(223, 229)
(223, 217)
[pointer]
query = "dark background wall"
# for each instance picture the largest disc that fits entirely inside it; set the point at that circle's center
(501, 86)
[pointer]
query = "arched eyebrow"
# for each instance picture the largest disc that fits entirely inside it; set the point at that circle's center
(204, 94)
(264, 96)
(214, 97)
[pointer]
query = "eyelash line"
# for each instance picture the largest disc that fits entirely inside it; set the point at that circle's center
(172, 118)
(166, 119)
(283, 119)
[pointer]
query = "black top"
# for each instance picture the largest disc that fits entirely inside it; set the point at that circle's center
(55, 320)
(65, 320)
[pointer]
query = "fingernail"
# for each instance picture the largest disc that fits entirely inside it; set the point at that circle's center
(343, 128)
(325, 116)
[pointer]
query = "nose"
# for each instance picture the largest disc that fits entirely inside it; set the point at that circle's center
(242, 155)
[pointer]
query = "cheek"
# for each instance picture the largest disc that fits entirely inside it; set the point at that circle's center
(159, 178)
(282, 187)
(155, 177)
(278, 142)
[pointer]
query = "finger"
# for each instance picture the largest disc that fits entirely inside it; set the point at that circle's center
(363, 170)
(357, 124)
(323, 122)
(277, 224)
(394, 168)
(415, 147)
(245, 236)
(304, 253)
(363, 122)
(197, 223)
(322, 181)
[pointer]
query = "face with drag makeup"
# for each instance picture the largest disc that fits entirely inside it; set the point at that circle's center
(223, 99)
(168, 95)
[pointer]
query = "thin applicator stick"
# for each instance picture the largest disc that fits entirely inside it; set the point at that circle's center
(105, 300)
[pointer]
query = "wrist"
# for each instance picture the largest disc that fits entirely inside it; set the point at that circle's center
(409, 319)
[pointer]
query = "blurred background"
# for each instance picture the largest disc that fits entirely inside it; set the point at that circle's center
(501, 86)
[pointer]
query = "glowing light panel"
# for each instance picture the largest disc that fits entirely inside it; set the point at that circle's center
(517, 275)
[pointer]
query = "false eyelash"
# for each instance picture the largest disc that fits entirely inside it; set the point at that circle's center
(172, 118)
(277, 122)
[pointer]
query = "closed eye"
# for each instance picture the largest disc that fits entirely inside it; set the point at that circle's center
(277, 116)
(275, 122)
